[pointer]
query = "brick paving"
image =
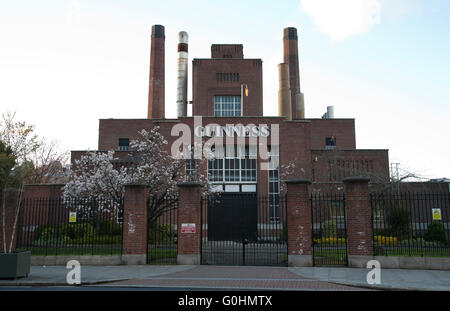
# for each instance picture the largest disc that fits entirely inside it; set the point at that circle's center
(236, 277)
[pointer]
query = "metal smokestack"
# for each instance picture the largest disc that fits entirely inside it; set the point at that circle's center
(182, 74)
(300, 106)
(284, 92)
(156, 95)
(330, 112)
(290, 52)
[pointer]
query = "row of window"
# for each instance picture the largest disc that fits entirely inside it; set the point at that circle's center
(363, 165)
(227, 76)
(339, 169)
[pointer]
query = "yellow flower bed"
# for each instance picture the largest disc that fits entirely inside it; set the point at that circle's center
(385, 240)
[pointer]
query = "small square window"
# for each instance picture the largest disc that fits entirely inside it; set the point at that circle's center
(124, 144)
(330, 142)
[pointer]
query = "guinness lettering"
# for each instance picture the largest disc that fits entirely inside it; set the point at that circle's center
(232, 130)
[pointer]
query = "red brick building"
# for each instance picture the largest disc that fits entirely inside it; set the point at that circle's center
(228, 90)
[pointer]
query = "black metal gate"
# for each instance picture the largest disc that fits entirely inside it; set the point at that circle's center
(243, 229)
(329, 231)
(162, 235)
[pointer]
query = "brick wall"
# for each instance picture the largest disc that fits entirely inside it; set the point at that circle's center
(206, 85)
(335, 165)
(359, 217)
(299, 218)
(135, 225)
(342, 129)
(189, 212)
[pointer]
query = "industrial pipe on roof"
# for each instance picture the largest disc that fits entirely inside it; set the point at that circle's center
(330, 112)
(284, 92)
(156, 99)
(290, 54)
(182, 74)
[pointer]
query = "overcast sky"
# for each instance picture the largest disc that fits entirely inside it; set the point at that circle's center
(66, 64)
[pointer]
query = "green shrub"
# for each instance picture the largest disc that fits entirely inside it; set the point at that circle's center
(47, 234)
(329, 228)
(43, 231)
(399, 220)
(67, 230)
(76, 231)
(107, 227)
(53, 240)
(436, 232)
(161, 234)
(98, 239)
(417, 242)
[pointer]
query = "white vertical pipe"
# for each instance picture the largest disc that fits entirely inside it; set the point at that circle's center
(182, 74)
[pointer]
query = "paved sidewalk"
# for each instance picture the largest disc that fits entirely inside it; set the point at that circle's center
(236, 277)
(56, 275)
(391, 279)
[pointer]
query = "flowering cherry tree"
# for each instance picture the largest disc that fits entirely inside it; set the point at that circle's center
(158, 170)
(96, 176)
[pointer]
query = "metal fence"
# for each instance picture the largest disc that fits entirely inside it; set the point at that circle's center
(411, 224)
(162, 239)
(244, 229)
(329, 231)
(53, 226)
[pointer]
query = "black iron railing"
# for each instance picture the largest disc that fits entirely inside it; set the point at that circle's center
(329, 231)
(56, 226)
(162, 246)
(411, 224)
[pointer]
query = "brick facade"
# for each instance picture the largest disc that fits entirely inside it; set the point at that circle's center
(299, 223)
(359, 217)
(207, 83)
(189, 212)
(335, 165)
(135, 225)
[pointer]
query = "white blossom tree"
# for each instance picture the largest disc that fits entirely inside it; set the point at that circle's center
(158, 170)
(96, 176)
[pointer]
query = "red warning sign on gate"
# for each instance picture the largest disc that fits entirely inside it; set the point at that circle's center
(187, 228)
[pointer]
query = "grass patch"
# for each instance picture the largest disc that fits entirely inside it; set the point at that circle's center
(42, 251)
(162, 256)
(330, 257)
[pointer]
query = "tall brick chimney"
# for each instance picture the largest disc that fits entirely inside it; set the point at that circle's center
(290, 52)
(156, 102)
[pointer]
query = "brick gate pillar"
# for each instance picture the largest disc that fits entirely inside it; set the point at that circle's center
(359, 221)
(134, 242)
(189, 223)
(299, 223)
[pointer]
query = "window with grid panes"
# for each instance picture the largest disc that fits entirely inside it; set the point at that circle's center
(235, 164)
(227, 106)
(274, 183)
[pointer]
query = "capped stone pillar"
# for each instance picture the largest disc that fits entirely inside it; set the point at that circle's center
(189, 223)
(299, 223)
(134, 242)
(359, 221)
